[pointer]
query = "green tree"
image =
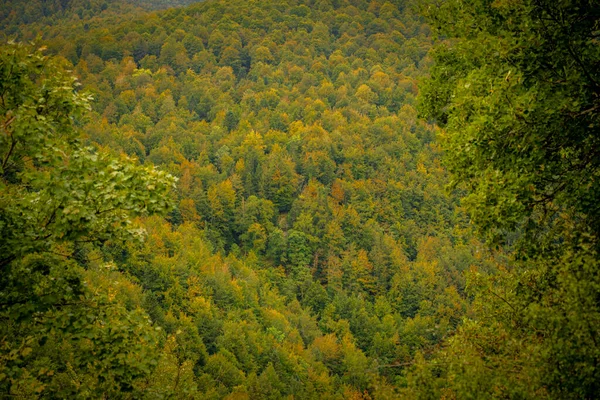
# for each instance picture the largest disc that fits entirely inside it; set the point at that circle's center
(517, 89)
(57, 199)
(231, 120)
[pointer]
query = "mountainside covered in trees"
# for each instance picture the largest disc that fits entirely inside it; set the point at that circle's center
(312, 249)
(18, 15)
(239, 201)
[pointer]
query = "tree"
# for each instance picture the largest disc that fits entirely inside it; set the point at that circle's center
(231, 120)
(517, 89)
(58, 199)
(520, 105)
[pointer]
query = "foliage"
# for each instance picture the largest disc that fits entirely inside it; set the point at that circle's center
(312, 251)
(516, 88)
(14, 13)
(56, 198)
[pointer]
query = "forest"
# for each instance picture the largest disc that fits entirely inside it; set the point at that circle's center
(300, 199)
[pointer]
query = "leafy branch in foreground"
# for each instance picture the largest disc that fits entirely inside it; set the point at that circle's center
(56, 335)
(515, 86)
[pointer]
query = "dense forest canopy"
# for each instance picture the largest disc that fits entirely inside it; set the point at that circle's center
(15, 14)
(239, 200)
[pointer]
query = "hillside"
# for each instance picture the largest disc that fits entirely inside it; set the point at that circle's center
(16, 14)
(312, 249)
(240, 201)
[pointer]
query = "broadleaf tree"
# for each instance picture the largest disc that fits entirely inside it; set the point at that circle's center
(516, 87)
(60, 331)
